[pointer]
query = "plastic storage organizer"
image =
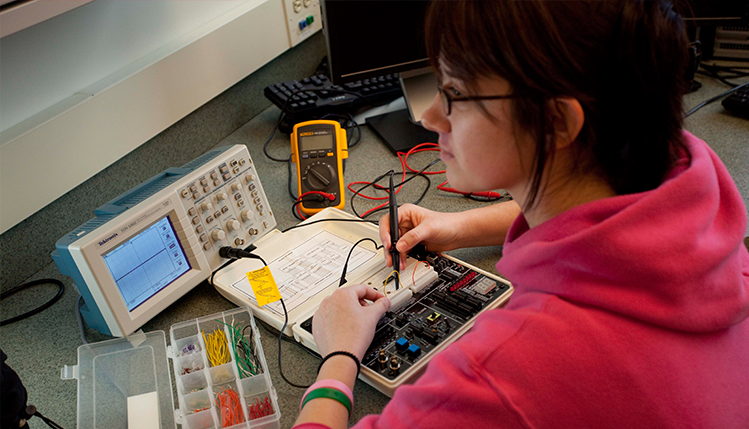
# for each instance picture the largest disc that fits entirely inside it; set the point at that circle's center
(217, 386)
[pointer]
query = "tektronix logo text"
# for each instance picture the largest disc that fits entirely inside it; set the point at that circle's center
(108, 239)
(340, 97)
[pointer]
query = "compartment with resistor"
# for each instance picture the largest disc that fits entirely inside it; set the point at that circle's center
(191, 363)
(192, 382)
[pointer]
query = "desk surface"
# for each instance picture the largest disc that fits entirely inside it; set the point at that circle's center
(39, 346)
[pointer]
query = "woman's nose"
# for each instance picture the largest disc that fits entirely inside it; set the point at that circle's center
(434, 118)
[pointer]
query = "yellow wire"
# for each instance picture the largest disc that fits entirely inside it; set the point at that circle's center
(391, 275)
(209, 348)
(216, 347)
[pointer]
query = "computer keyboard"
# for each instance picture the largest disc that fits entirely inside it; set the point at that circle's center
(316, 96)
(738, 102)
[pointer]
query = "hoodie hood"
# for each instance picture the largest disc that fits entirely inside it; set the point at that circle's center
(673, 256)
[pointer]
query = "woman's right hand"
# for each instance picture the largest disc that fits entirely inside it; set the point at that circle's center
(437, 231)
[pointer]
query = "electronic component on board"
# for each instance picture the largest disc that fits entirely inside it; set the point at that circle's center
(413, 351)
(382, 359)
(395, 365)
(485, 286)
(402, 319)
(402, 344)
(433, 318)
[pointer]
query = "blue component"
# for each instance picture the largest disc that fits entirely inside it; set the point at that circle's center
(401, 344)
(302, 24)
(414, 351)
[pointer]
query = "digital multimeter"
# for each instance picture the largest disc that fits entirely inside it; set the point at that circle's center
(318, 149)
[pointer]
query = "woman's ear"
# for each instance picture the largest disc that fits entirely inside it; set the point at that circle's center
(567, 119)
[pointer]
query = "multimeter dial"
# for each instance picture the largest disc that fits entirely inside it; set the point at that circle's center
(319, 175)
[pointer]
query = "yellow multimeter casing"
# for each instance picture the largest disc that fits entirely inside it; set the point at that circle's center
(318, 149)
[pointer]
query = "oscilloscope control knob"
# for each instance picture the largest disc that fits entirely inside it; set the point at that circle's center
(218, 235)
(235, 187)
(206, 205)
(249, 178)
(221, 196)
(233, 225)
(247, 215)
(319, 176)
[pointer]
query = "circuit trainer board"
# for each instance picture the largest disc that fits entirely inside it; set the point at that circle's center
(408, 334)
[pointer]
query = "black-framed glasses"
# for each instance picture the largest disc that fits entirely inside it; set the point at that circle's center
(447, 100)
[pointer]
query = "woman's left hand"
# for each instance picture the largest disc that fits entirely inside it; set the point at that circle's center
(346, 322)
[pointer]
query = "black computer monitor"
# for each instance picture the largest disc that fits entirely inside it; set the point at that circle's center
(722, 27)
(716, 12)
(367, 38)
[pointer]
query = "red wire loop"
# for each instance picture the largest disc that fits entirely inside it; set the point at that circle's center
(327, 195)
(403, 157)
(413, 274)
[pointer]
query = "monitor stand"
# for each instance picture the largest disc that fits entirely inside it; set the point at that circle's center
(401, 129)
(398, 132)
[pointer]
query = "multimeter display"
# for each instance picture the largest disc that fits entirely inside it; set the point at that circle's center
(318, 142)
(318, 149)
(147, 263)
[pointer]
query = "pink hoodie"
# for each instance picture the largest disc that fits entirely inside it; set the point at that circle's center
(628, 312)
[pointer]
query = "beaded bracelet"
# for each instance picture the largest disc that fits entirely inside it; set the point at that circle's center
(342, 353)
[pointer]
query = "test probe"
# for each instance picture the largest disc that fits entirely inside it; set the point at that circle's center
(394, 233)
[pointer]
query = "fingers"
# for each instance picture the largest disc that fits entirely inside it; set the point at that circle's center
(388, 259)
(416, 226)
(403, 261)
(384, 225)
(410, 239)
(371, 303)
(383, 304)
(408, 217)
(365, 292)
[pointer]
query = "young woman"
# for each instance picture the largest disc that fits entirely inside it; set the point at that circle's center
(624, 242)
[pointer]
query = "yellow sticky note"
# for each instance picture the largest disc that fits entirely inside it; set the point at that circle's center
(264, 286)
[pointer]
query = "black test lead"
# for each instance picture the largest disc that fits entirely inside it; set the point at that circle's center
(394, 236)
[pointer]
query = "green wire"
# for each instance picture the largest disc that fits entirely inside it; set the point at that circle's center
(245, 367)
(245, 361)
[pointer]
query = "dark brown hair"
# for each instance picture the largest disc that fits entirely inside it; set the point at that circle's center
(623, 60)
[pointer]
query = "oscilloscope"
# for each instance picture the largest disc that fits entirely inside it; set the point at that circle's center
(149, 246)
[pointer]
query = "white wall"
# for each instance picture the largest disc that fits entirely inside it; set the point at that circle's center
(45, 64)
(81, 90)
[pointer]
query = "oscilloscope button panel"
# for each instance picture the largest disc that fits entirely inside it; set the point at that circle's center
(226, 204)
